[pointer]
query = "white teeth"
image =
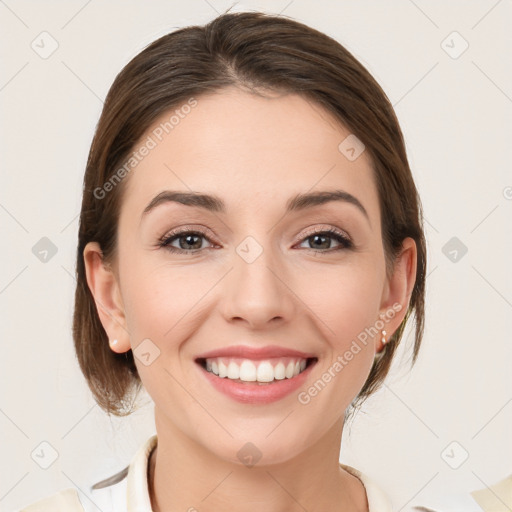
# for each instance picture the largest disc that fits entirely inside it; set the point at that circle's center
(279, 371)
(233, 371)
(249, 371)
(265, 372)
(223, 370)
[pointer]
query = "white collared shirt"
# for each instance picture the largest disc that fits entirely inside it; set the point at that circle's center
(128, 490)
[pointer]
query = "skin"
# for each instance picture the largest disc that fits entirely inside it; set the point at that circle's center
(255, 153)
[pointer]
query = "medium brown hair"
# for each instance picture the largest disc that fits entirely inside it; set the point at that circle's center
(254, 51)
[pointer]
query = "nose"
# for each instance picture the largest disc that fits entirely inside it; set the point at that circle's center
(257, 293)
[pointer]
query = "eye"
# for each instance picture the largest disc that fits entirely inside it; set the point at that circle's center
(191, 241)
(188, 241)
(320, 239)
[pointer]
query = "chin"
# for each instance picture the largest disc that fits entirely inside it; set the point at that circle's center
(260, 449)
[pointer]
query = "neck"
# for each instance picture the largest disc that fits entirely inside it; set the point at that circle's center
(312, 481)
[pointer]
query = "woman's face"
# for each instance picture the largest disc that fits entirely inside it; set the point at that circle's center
(255, 275)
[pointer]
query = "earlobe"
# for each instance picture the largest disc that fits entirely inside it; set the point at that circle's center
(105, 289)
(398, 289)
(116, 346)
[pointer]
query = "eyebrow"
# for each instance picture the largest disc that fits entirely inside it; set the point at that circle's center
(215, 204)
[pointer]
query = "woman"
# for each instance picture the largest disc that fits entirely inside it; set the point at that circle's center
(250, 250)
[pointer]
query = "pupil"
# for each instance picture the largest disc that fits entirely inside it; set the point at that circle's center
(189, 239)
(318, 237)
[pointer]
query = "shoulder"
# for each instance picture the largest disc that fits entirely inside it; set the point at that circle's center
(108, 495)
(378, 501)
(66, 500)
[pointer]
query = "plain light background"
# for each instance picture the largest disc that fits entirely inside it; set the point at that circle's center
(455, 108)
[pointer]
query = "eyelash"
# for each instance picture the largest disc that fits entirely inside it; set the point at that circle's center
(166, 240)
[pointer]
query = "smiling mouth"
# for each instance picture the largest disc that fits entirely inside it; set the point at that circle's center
(249, 371)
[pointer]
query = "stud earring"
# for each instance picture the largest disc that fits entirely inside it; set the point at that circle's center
(383, 339)
(113, 342)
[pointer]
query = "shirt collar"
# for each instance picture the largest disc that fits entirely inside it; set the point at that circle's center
(138, 493)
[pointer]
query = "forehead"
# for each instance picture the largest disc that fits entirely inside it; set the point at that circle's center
(247, 149)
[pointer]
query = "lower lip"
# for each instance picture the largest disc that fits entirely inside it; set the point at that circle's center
(255, 393)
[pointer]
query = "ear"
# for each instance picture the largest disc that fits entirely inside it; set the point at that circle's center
(398, 289)
(105, 289)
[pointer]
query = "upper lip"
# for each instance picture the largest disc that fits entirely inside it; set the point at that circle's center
(256, 353)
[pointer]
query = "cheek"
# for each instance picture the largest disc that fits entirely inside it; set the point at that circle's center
(345, 300)
(346, 303)
(161, 302)
(159, 297)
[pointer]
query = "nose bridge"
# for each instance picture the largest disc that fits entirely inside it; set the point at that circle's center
(256, 291)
